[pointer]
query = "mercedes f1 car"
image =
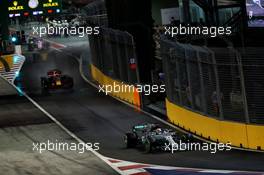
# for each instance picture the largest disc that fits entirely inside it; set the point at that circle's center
(151, 137)
(55, 81)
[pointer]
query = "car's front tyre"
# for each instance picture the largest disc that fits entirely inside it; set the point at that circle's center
(148, 148)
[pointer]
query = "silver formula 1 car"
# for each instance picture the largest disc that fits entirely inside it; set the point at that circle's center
(152, 137)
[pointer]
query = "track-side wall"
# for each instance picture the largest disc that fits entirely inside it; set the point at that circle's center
(208, 89)
(114, 64)
(6, 65)
(132, 97)
(238, 134)
(214, 93)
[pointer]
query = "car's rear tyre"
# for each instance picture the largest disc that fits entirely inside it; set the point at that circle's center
(130, 140)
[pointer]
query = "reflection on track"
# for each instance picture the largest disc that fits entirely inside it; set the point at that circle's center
(95, 117)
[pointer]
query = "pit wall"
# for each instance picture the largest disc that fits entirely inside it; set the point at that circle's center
(238, 134)
(132, 97)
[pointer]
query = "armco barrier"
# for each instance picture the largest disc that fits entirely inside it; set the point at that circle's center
(131, 97)
(238, 134)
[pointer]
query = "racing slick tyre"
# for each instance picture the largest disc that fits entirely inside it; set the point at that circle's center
(130, 140)
(148, 148)
(44, 86)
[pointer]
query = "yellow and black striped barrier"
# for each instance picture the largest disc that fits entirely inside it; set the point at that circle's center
(6, 62)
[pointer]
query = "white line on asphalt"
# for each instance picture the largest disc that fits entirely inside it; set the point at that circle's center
(56, 49)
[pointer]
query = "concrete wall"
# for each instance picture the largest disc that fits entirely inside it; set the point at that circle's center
(128, 96)
(238, 134)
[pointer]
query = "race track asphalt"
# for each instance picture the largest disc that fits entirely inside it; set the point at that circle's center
(95, 117)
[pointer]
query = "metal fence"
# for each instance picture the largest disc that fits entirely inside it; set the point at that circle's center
(218, 82)
(95, 13)
(113, 52)
(97, 20)
(95, 8)
(253, 66)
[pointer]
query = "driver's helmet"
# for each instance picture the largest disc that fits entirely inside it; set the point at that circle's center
(158, 130)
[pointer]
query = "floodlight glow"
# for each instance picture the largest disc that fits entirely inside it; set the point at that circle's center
(17, 73)
(16, 58)
(13, 39)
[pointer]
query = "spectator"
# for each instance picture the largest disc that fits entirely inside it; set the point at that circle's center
(215, 102)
